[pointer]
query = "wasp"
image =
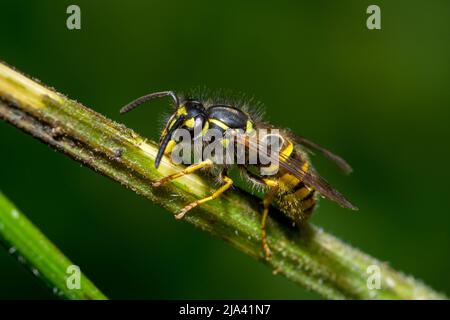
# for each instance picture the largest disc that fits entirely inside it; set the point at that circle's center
(295, 185)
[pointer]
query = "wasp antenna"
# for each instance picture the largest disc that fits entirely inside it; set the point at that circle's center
(148, 97)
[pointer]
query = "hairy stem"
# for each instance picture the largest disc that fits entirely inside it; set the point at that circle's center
(309, 256)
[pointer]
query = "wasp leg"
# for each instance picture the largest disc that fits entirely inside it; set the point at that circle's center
(192, 168)
(228, 183)
(266, 204)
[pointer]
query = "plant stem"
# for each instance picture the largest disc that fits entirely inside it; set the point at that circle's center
(40, 256)
(309, 256)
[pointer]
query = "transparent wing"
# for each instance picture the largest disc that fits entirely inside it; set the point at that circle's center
(294, 166)
(341, 163)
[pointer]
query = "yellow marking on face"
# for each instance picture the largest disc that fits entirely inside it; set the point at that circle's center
(249, 126)
(190, 123)
(219, 124)
(169, 147)
(181, 111)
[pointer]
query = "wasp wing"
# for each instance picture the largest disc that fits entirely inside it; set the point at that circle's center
(312, 146)
(294, 166)
(315, 181)
(341, 163)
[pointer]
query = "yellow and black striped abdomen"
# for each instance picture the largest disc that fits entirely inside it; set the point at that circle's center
(294, 198)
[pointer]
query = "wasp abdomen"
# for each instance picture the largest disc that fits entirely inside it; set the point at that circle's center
(294, 197)
(297, 204)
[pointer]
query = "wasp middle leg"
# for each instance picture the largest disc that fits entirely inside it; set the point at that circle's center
(227, 184)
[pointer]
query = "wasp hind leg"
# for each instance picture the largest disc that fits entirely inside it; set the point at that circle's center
(192, 168)
(266, 205)
(227, 184)
(267, 200)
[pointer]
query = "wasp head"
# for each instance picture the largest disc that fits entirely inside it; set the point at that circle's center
(189, 115)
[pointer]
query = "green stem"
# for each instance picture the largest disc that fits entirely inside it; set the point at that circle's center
(40, 256)
(310, 257)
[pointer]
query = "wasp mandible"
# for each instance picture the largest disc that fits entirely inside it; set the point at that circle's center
(293, 187)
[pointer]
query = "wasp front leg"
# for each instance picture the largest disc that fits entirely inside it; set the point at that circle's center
(192, 168)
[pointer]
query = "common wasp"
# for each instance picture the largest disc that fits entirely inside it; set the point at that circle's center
(284, 172)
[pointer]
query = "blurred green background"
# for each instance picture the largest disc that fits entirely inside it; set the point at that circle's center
(379, 98)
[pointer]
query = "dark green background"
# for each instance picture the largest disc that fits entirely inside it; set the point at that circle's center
(379, 98)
